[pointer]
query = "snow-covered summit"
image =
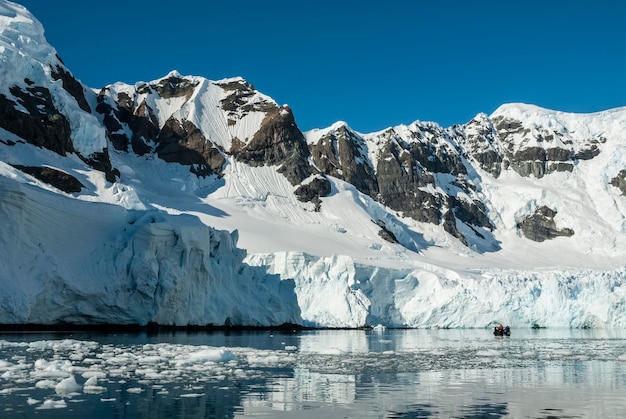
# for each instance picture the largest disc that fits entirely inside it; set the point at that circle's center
(127, 204)
(22, 35)
(29, 72)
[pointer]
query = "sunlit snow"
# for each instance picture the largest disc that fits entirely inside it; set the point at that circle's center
(163, 245)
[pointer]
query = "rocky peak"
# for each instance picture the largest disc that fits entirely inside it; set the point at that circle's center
(278, 142)
(422, 174)
(174, 85)
(241, 98)
(34, 105)
(539, 142)
(482, 144)
(342, 153)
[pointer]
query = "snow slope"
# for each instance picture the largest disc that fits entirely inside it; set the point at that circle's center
(26, 56)
(164, 245)
(113, 265)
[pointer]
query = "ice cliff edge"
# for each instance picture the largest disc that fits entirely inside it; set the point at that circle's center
(69, 261)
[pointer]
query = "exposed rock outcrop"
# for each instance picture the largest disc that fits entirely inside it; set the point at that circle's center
(184, 143)
(313, 191)
(175, 140)
(35, 118)
(540, 151)
(342, 154)
(144, 130)
(480, 139)
(60, 180)
(175, 86)
(278, 142)
(237, 102)
(72, 86)
(619, 181)
(540, 225)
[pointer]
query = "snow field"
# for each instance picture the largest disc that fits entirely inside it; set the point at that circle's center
(163, 245)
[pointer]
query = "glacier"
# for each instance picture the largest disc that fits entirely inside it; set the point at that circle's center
(338, 292)
(95, 263)
(164, 244)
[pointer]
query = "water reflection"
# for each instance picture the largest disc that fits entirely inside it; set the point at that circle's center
(391, 373)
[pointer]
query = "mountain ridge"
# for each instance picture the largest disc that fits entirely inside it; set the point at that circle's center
(520, 191)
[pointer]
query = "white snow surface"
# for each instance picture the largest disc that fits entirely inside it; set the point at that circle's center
(162, 245)
(25, 54)
(199, 107)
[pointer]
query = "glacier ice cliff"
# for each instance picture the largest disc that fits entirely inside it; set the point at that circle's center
(70, 261)
(338, 292)
(131, 204)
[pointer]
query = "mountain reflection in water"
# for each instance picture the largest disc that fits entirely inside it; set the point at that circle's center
(327, 373)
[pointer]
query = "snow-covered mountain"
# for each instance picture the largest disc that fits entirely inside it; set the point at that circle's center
(190, 201)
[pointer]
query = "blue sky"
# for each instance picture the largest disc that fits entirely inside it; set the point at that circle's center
(373, 64)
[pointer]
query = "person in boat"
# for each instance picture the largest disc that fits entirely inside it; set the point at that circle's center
(507, 330)
(501, 328)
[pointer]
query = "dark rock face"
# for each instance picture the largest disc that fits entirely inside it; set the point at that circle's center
(42, 125)
(385, 233)
(313, 191)
(342, 154)
(407, 181)
(177, 141)
(175, 86)
(72, 86)
(554, 153)
(619, 181)
(144, 129)
(60, 180)
(540, 226)
(184, 143)
(101, 161)
(278, 141)
(419, 178)
(237, 102)
(399, 185)
(481, 142)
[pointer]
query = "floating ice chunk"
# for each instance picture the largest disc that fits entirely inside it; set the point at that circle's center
(93, 373)
(91, 386)
(94, 389)
(67, 386)
(52, 404)
(46, 384)
(30, 401)
(622, 358)
(191, 395)
(7, 344)
(52, 369)
(379, 328)
(207, 355)
(92, 381)
(134, 390)
(151, 359)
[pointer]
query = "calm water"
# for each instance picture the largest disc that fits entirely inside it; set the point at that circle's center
(314, 374)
